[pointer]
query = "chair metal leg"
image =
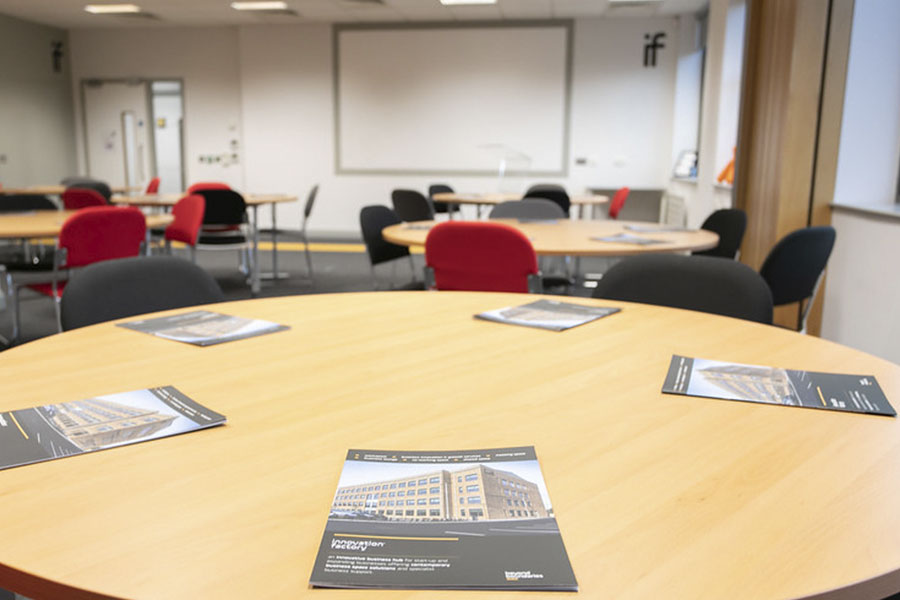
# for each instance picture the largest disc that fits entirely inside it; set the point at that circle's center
(412, 267)
(193, 252)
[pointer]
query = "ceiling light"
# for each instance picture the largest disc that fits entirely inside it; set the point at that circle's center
(453, 2)
(266, 5)
(112, 9)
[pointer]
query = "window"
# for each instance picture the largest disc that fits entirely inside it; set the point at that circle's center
(410, 502)
(508, 502)
(434, 500)
(462, 512)
(401, 484)
(377, 488)
(423, 482)
(459, 478)
(390, 502)
(472, 477)
(400, 493)
(390, 511)
(434, 480)
(503, 481)
(412, 484)
(506, 492)
(381, 502)
(421, 512)
(422, 491)
(421, 501)
(393, 486)
(434, 512)
(434, 490)
(474, 499)
(392, 494)
(384, 494)
(462, 500)
(471, 488)
(410, 513)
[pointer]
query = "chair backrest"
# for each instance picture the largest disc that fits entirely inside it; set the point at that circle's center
(188, 213)
(223, 206)
(101, 187)
(618, 201)
(134, 286)
(729, 224)
(208, 185)
(25, 202)
(310, 200)
(480, 256)
(794, 265)
(153, 186)
(554, 193)
(531, 208)
(441, 207)
(372, 219)
(102, 233)
(410, 205)
(703, 283)
(75, 198)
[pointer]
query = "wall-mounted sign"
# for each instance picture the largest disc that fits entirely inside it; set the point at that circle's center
(653, 44)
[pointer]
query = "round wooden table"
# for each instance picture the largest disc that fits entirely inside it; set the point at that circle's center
(656, 496)
(254, 201)
(574, 238)
(47, 223)
(492, 199)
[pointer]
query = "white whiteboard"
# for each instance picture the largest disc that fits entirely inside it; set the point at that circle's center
(452, 99)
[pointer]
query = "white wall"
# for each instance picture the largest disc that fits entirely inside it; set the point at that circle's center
(870, 130)
(206, 59)
(36, 129)
(270, 87)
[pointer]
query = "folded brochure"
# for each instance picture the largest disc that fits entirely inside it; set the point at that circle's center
(547, 314)
(204, 328)
(627, 238)
(771, 385)
(467, 519)
(52, 431)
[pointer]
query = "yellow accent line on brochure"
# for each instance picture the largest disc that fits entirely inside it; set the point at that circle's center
(398, 537)
(818, 389)
(13, 417)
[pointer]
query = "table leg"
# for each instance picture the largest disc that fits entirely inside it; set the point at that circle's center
(275, 274)
(254, 260)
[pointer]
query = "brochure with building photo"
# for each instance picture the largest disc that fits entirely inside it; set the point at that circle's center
(52, 431)
(547, 314)
(204, 328)
(627, 238)
(468, 519)
(771, 385)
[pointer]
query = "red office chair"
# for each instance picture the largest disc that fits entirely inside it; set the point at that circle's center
(208, 185)
(78, 198)
(618, 201)
(153, 186)
(91, 235)
(188, 213)
(489, 257)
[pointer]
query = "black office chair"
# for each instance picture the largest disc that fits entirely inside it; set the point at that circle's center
(554, 193)
(702, 283)
(410, 205)
(372, 219)
(529, 209)
(794, 267)
(307, 210)
(126, 287)
(101, 187)
(730, 225)
(225, 225)
(441, 207)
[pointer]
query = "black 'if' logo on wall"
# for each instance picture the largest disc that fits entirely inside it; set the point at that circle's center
(654, 43)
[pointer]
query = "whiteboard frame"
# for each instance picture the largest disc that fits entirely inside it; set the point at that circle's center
(566, 24)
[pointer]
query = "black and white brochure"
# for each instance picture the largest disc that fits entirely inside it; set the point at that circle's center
(204, 328)
(52, 431)
(548, 314)
(457, 520)
(771, 385)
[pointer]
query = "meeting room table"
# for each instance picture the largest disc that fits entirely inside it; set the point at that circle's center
(567, 237)
(581, 201)
(253, 201)
(656, 495)
(56, 190)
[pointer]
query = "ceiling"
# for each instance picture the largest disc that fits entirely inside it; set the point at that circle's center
(69, 14)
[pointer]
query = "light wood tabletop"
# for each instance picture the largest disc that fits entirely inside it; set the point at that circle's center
(656, 496)
(567, 237)
(498, 197)
(55, 190)
(47, 223)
